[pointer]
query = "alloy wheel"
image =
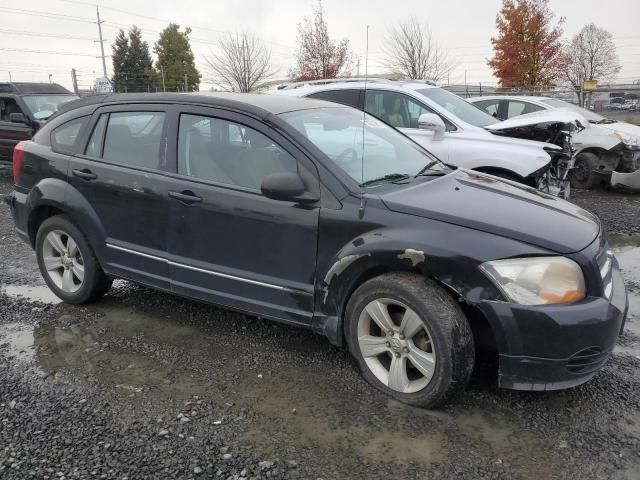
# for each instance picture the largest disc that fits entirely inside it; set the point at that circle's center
(63, 261)
(396, 345)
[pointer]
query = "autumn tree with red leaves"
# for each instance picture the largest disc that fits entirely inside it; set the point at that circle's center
(528, 48)
(319, 56)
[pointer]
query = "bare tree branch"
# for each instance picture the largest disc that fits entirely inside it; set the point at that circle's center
(410, 50)
(241, 64)
(591, 55)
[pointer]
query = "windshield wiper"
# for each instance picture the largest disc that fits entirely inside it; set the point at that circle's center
(388, 177)
(428, 166)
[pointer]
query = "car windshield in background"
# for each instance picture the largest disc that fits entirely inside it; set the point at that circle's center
(43, 106)
(588, 114)
(338, 133)
(465, 111)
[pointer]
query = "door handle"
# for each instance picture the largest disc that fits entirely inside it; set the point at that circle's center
(85, 174)
(186, 196)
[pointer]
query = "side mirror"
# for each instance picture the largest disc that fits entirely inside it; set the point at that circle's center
(286, 186)
(17, 118)
(431, 121)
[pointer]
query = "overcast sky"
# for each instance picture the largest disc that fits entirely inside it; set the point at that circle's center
(58, 34)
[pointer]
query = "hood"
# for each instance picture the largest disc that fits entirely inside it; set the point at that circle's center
(623, 127)
(485, 203)
(544, 118)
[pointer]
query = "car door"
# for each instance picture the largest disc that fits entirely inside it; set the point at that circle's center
(10, 132)
(401, 111)
(120, 173)
(229, 244)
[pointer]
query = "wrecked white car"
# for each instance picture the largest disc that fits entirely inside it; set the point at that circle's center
(458, 132)
(608, 153)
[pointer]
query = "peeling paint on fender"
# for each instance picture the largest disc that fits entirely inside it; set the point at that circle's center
(340, 266)
(416, 256)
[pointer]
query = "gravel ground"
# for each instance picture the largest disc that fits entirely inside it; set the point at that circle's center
(147, 385)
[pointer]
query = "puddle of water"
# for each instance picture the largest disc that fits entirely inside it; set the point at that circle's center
(296, 408)
(31, 293)
(627, 251)
(18, 340)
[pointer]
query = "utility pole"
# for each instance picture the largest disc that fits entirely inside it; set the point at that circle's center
(186, 86)
(50, 77)
(164, 89)
(358, 66)
(10, 77)
(101, 41)
(74, 81)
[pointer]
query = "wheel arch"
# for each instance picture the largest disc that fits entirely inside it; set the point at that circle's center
(55, 197)
(350, 270)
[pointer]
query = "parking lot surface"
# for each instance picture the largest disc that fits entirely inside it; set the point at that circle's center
(146, 385)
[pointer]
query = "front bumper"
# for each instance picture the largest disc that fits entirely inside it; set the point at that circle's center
(551, 347)
(627, 181)
(629, 177)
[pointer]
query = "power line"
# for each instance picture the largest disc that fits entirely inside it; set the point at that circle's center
(50, 52)
(41, 34)
(40, 13)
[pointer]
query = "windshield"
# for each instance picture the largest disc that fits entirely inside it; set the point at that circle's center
(43, 106)
(588, 114)
(338, 133)
(465, 111)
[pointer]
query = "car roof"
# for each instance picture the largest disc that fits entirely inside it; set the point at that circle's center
(508, 97)
(306, 88)
(31, 88)
(257, 104)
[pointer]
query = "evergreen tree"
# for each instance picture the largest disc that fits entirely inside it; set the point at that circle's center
(132, 63)
(175, 60)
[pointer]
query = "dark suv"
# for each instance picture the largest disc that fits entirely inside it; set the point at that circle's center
(263, 204)
(24, 107)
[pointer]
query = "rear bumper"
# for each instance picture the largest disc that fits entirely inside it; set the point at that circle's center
(17, 205)
(557, 346)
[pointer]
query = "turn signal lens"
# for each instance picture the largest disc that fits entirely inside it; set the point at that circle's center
(537, 281)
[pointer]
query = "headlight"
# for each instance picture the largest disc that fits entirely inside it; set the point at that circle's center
(632, 141)
(537, 281)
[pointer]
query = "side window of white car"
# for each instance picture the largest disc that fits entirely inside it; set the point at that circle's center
(516, 108)
(397, 109)
(489, 106)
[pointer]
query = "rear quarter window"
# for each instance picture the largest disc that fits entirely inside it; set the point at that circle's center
(65, 138)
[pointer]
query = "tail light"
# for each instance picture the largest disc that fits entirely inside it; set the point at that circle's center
(18, 158)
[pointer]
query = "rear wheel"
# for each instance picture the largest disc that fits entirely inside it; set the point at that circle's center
(583, 175)
(410, 339)
(67, 262)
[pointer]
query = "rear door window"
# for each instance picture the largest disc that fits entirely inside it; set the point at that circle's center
(350, 97)
(128, 138)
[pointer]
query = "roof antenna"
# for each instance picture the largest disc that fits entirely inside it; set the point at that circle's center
(364, 119)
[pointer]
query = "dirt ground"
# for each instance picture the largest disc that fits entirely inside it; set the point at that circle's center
(148, 385)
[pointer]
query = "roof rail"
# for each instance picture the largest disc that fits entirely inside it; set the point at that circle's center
(328, 81)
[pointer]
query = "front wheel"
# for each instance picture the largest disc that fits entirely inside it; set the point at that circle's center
(583, 175)
(67, 262)
(410, 339)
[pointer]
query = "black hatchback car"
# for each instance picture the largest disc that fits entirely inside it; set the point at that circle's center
(264, 204)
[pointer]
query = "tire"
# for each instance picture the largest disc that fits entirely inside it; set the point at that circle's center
(447, 339)
(72, 273)
(582, 175)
